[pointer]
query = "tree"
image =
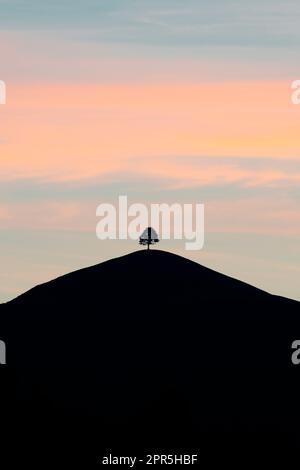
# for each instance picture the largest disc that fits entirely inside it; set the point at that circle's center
(149, 237)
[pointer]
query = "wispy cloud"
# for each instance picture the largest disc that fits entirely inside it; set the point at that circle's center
(83, 131)
(269, 23)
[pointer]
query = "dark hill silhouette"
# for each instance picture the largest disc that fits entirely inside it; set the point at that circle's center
(152, 350)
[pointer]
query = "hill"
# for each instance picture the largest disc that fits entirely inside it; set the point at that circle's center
(152, 350)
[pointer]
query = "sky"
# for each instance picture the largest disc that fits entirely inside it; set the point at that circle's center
(162, 101)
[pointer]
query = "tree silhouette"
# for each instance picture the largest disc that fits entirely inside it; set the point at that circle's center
(149, 237)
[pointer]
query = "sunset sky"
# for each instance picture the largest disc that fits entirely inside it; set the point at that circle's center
(163, 101)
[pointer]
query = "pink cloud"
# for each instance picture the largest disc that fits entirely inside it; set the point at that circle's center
(81, 131)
